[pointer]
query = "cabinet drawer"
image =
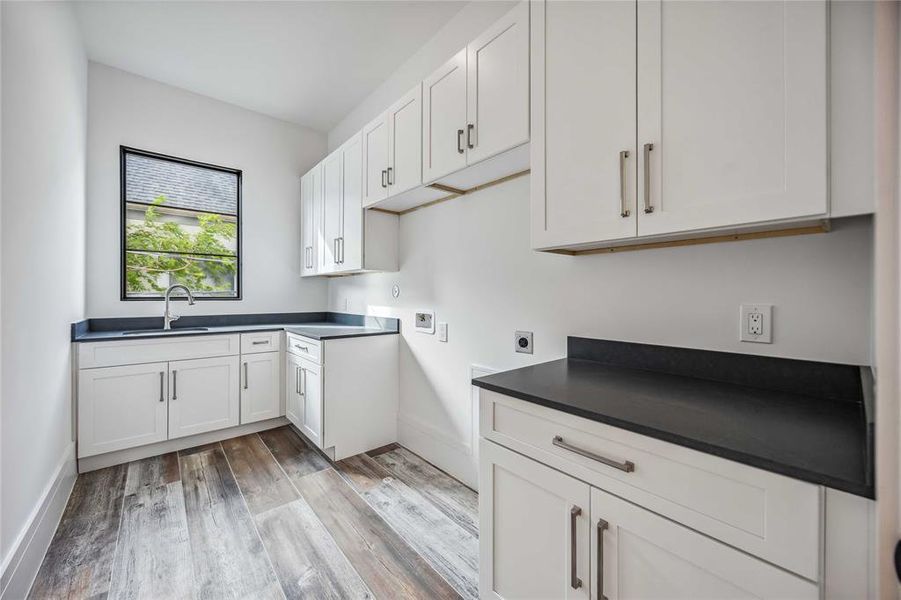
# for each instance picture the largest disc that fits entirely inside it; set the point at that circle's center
(262, 341)
(305, 347)
(131, 352)
(769, 515)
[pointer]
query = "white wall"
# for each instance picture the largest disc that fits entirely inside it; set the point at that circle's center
(450, 39)
(44, 85)
(133, 111)
(469, 260)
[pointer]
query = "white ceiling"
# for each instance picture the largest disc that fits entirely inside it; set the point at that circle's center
(306, 62)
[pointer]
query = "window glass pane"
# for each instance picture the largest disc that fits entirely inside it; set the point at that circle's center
(181, 226)
(148, 274)
(183, 186)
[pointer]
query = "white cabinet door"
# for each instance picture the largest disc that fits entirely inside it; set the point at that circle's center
(497, 67)
(203, 395)
(444, 119)
(260, 388)
(405, 143)
(331, 212)
(646, 556)
(311, 389)
(121, 407)
(350, 246)
(293, 396)
(732, 96)
(528, 514)
(583, 118)
(309, 254)
(375, 161)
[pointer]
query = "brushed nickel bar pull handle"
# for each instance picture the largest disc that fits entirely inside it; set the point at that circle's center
(297, 380)
(575, 582)
(260, 342)
(303, 382)
(335, 250)
(175, 385)
(469, 128)
(627, 466)
(384, 173)
(389, 175)
(602, 527)
(245, 375)
(303, 348)
(341, 247)
(624, 208)
(162, 384)
(460, 141)
(647, 178)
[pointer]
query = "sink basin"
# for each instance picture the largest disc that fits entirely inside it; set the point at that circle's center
(165, 331)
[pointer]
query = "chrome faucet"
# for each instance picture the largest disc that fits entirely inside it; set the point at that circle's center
(168, 317)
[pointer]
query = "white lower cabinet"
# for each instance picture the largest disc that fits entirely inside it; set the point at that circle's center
(203, 395)
(529, 516)
(260, 386)
(311, 396)
(293, 395)
(545, 534)
(121, 407)
(643, 555)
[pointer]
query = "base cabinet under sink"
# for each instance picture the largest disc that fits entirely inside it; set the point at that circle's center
(546, 534)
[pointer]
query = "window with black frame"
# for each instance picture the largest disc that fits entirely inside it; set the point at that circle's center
(181, 223)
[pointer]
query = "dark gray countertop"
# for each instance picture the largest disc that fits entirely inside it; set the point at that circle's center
(826, 441)
(320, 326)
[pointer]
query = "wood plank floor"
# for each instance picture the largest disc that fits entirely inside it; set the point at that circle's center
(265, 516)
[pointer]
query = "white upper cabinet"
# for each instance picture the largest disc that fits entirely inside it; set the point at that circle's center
(332, 206)
(476, 107)
(375, 161)
(309, 203)
(404, 170)
(720, 123)
(733, 100)
(583, 116)
(497, 67)
(350, 246)
(444, 119)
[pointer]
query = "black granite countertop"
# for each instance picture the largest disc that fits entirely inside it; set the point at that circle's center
(317, 325)
(811, 421)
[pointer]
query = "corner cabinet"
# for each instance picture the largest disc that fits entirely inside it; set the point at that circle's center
(743, 88)
(342, 393)
(338, 235)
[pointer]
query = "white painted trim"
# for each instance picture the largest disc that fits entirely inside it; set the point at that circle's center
(434, 433)
(101, 461)
(21, 564)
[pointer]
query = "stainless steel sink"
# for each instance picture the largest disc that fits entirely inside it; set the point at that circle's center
(165, 331)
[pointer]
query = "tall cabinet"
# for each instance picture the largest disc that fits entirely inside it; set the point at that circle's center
(719, 123)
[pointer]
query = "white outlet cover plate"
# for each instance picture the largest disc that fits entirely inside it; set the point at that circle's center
(744, 328)
(442, 332)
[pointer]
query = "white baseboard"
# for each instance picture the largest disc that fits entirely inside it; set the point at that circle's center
(24, 559)
(101, 461)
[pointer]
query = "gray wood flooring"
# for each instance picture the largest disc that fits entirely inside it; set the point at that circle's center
(265, 516)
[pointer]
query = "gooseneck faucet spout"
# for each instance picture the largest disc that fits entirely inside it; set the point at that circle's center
(168, 317)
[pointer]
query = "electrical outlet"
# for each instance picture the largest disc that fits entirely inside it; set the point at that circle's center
(442, 332)
(523, 342)
(756, 323)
